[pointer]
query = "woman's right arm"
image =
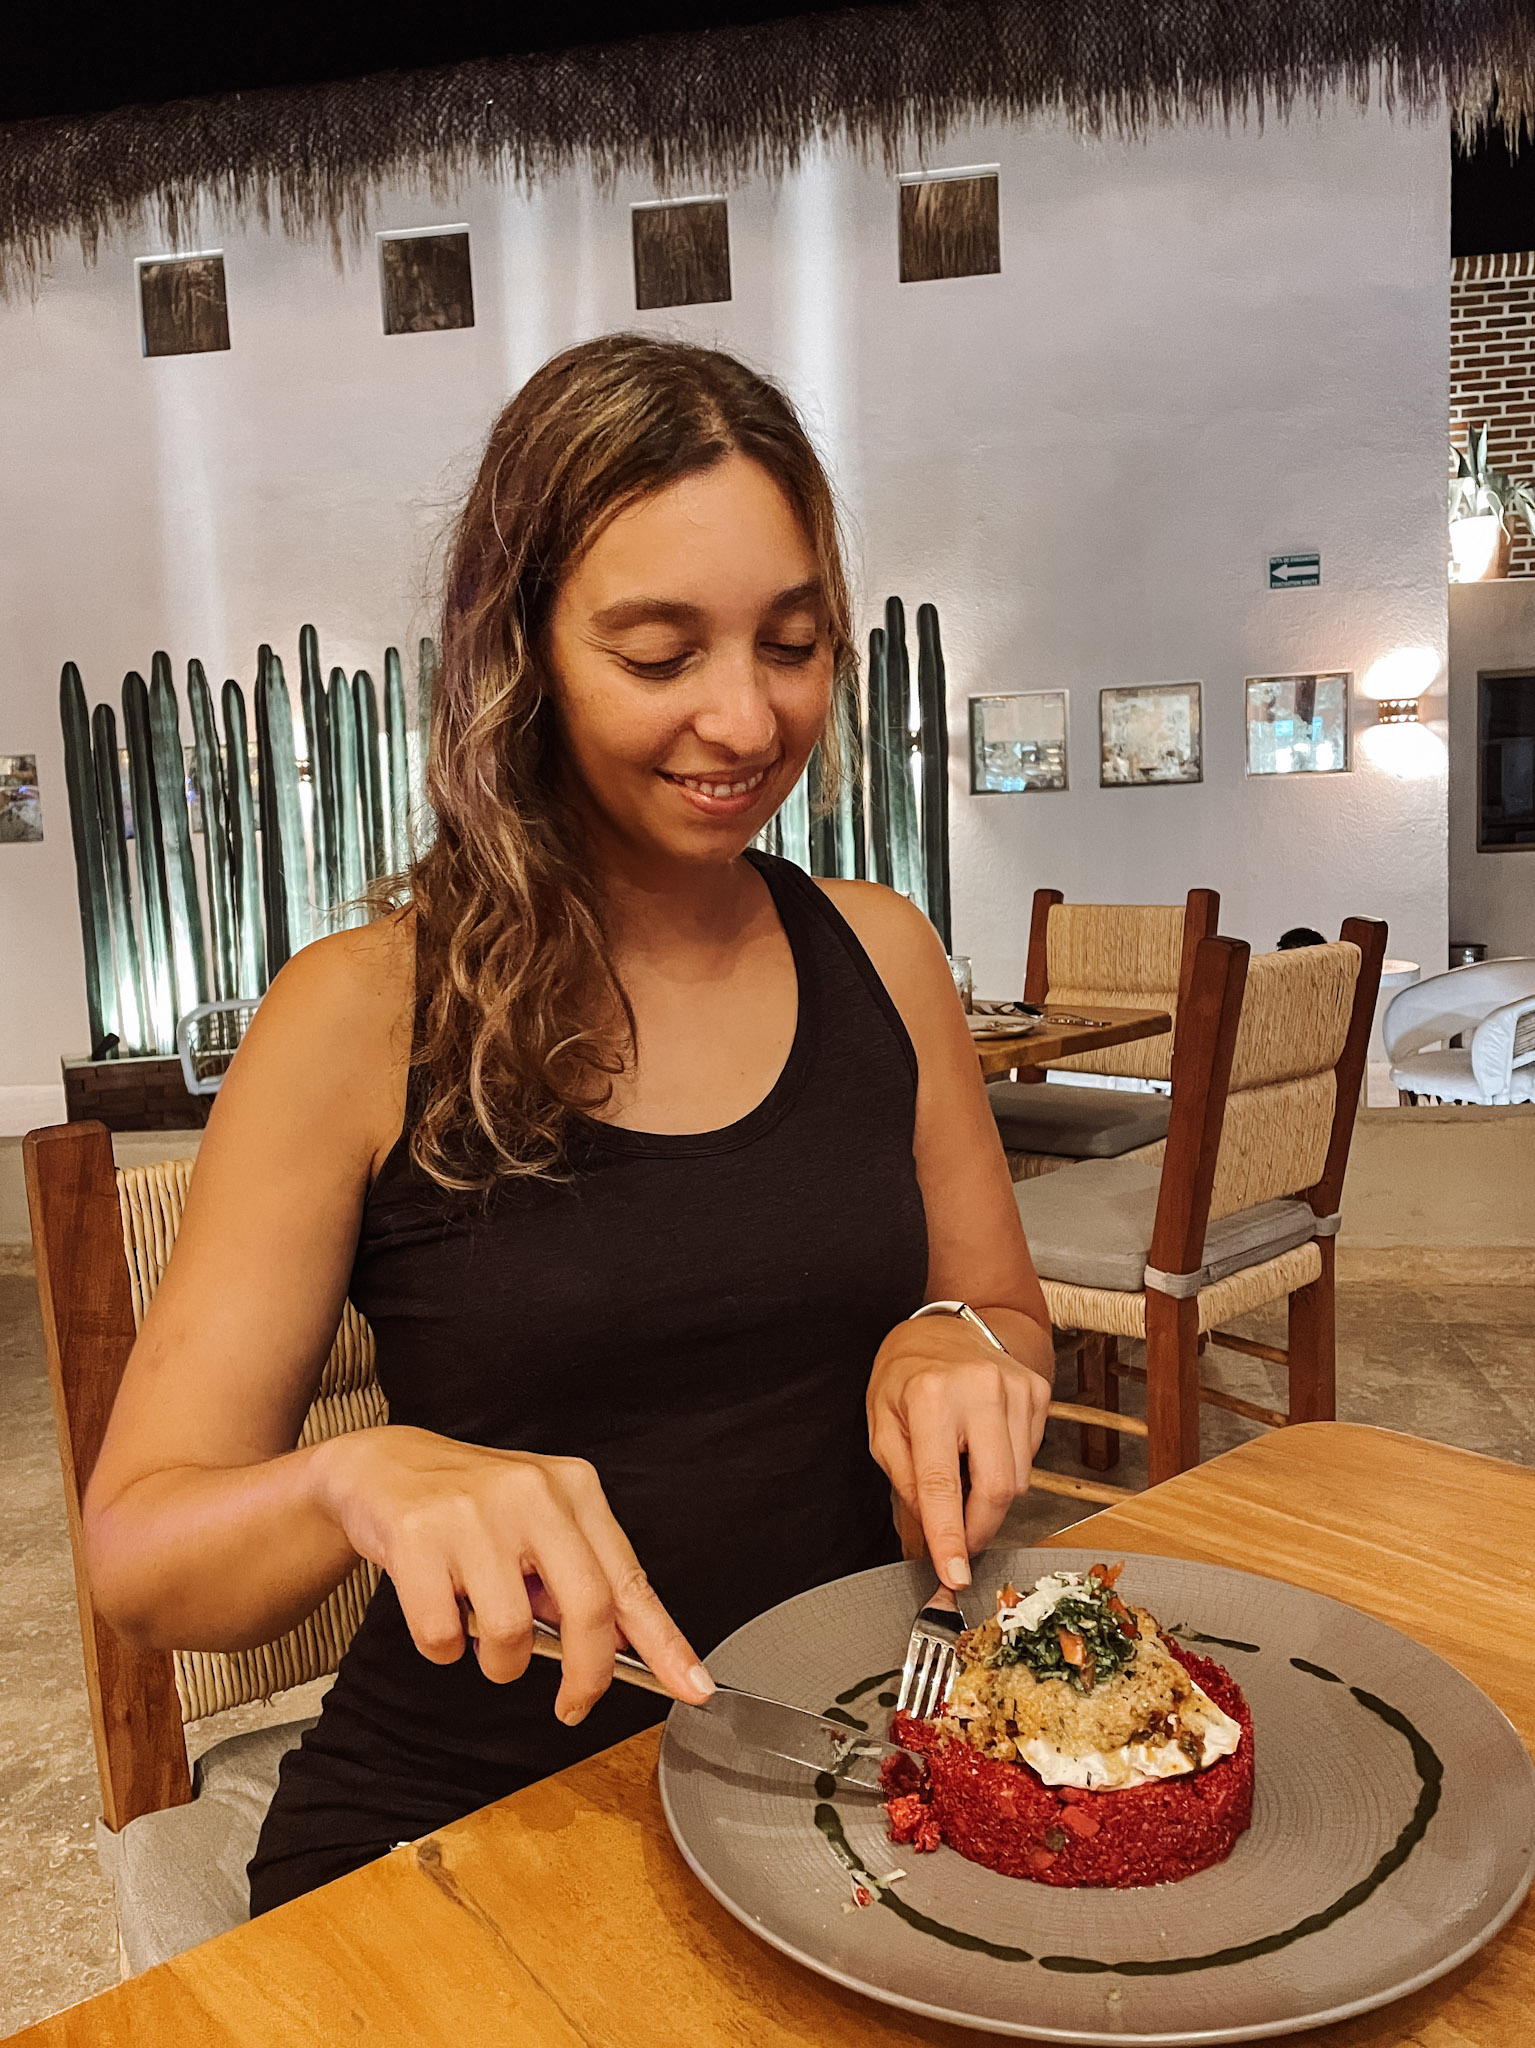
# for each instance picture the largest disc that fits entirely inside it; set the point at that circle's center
(204, 1527)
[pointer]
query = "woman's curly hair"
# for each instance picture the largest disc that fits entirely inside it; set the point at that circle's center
(520, 1021)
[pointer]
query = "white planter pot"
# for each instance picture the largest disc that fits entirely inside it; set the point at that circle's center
(1480, 548)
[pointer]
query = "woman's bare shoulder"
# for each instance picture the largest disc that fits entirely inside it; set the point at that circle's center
(898, 938)
(329, 1047)
(365, 977)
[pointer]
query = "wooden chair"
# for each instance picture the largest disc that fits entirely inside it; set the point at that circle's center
(101, 1239)
(1136, 956)
(1240, 1210)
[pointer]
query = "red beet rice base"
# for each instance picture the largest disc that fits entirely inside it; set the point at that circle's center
(1003, 1816)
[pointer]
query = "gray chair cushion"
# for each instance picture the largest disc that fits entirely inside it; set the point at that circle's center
(1076, 1123)
(1091, 1225)
(179, 1876)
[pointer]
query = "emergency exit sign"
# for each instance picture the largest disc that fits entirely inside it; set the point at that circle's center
(1294, 572)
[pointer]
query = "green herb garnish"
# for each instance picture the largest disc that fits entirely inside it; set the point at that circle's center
(1088, 1640)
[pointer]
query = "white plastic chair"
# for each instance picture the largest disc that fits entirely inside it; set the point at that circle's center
(1491, 1007)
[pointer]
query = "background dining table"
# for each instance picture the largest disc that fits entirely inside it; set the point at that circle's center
(564, 1917)
(1058, 1034)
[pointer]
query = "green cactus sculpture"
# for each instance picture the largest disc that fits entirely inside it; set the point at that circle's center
(218, 877)
(149, 859)
(350, 870)
(370, 795)
(250, 929)
(127, 967)
(932, 698)
(877, 826)
(397, 760)
(315, 708)
(275, 871)
(90, 872)
(285, 862)
(183, 906)
(905, 840)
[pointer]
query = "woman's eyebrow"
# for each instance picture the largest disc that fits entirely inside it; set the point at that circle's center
(642, 611)
(802, 594)
(668, 611)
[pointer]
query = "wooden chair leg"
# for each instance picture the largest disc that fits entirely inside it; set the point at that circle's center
(1098, 1387)
(1314, 1343)
(1172, 1385)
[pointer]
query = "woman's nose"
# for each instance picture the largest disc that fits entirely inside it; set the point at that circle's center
(735, 713)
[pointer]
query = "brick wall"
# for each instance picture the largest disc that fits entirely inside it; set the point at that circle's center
(1492, 368)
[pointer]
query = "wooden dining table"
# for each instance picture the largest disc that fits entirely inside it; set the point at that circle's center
(564, 1917)
(1056, 1036)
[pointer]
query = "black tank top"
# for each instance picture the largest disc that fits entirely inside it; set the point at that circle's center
(698, 1316)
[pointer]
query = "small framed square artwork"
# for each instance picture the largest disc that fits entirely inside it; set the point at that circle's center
(426, 280)
(182, 307)
(1018, 742)
(950, 226)
(1297, 725)
(21, 811)
(681, 253)
(1150, 733)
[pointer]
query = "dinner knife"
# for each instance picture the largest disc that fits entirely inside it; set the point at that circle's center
(844, 1752)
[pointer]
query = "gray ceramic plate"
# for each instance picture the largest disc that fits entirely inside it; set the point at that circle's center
(1393, 1827)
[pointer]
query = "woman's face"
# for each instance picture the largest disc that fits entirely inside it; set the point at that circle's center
(691, 664)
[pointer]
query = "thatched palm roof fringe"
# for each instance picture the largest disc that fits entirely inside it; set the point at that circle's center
(716, 107)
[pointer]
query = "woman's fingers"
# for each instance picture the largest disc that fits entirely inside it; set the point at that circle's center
(588, 1632)
(428, 1599)
(994, 1468)
(935, 1447)
(502, 1616)
(641, 1618)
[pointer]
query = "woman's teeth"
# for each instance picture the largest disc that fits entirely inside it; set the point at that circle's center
(719, 788)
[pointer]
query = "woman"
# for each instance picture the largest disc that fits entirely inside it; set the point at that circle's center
(636, 1150)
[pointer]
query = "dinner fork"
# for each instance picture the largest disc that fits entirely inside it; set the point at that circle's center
(928, 1673)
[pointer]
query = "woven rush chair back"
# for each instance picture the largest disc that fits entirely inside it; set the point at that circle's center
(1283, 1091)
(1130, 956)
(85, 1217)
(349, 1397)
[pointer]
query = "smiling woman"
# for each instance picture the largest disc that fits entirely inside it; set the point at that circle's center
(637, 1150)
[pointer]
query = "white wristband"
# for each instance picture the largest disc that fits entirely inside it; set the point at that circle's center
(966, 1314)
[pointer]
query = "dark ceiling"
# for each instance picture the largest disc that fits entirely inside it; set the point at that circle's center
(55, 65)
(58, 63)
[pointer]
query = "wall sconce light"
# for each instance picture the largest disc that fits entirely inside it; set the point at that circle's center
(1396, 710)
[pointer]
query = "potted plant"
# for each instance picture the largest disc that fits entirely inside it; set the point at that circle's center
(1483, 503)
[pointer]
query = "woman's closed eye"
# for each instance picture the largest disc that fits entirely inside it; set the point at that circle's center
(782, 653)
(657, 671)
(791, 653)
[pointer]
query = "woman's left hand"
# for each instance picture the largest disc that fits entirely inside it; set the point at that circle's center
(938, 1389)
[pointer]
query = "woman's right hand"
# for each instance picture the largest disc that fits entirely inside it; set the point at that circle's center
(457, 1525)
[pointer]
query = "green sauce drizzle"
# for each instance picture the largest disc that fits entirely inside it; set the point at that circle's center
(1426, 1762)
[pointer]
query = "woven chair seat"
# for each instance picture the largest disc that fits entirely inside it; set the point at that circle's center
(1076, 1123)
(1091, 1226)
(1111, 1312)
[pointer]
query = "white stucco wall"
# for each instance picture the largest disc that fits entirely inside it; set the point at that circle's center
(1200, 350)
(1492, 895)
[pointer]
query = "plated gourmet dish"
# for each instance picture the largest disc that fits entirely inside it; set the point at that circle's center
(1080, 1745)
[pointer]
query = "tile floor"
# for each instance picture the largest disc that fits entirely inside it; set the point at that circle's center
(1457, 1364)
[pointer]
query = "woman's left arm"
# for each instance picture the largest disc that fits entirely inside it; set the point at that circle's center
(938, 1389)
